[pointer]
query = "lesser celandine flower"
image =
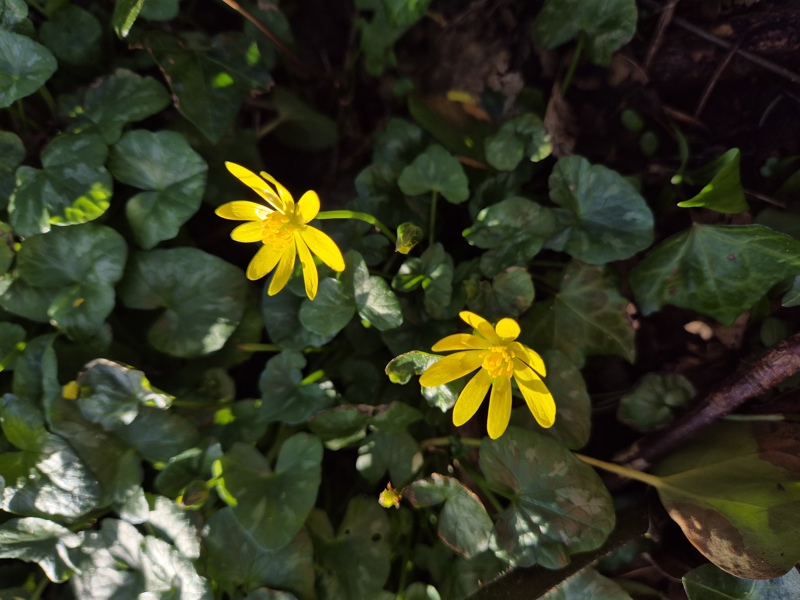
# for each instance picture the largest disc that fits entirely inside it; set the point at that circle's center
(499, 357)
(283, 230)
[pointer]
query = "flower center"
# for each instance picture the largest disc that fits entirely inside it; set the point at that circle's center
(498, 361)
(278, 229)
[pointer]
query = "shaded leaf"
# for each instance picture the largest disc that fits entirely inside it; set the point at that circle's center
(586, 317)
(396, 453)
(433, 272)
(12, 152)
(717, 270)
(40, 541)
(375, 301)
(25, 66)
(12, 342)
(435, 170)
(520, 137)
(652, 402)
(509, 294)
(73, 35)
(792, 296)
(559, 504)
(724, 192)
(173, 175)
(403, 367)
(711, 583)
(203, 298)
(604, 217)
(300, 126)
(331, 310)
(36, 370)
(286, 396)
(282, 321)
(587, 584)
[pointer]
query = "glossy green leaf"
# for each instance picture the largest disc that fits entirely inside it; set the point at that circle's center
(44, 478)
(509, 294)
(603, 219)
(519, 137)
(36, 372)
(587, 584)
(435, 170)
(209, 79)
(282, 321)
(375, 301)
(25, 66)
(203, 298)
(355, 559)
(236, 560)
(159, 10)
(113, 102)
(125, 13)
(12, 152)
(513, 231)
(396, 453)
(272, 505)
(72, 187)
(712, 583)
(421, 591)
(586, 317)
(14, 17)
(331, 310)
(792, 296)
(172, 175)
(77, 268)
(402, 368)
(734, 492)
(717, 270)
(559, 504)
(7, 251)
(433, 272)
(12, 342)
(40, 541)
(73, 35)
(654, 400)
(299, 125)
(464, 524)
(724, 193)
(286, 396)
(608, 25)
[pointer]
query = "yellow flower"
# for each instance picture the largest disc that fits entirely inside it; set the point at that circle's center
(283, 230)
(499, 357)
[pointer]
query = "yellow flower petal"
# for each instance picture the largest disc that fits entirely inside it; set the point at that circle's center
(471, 397)
(537, 396)
(460, 341)
(310, 277)
(288, 201)
(529, 356)
(248, 232)
(451, 368)
(243, 210)
(284, 270)
(263, 262)
(499, 407)
(481, 325)
(508, 329)
(308, 207)
(323, 246)
(258, 185)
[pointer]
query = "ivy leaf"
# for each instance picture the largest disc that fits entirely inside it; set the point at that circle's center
(464, 524)
(717, 270)
(209, 78)
(513, 231)
(375, 301)
(395, 453)
(12, 152)
(653, 401)
(587, 584)
(286, 396)
(604, 217)
(173, 175)
(77, 268)
(258, 496)
(45, 478)
(438, 171)
(113, 102)
(559, 504)
(355, 561)
(125, 13)
(724, 193)
(709, 582)
(608, 25)
(519, 137)
(509, 294)
(734, 494)
(330, 311)
(586, 317)
(25, 66)
(203, 298)
(433, 272)
(40, 541)
(236, 560)
(72, 187)
(73, 35)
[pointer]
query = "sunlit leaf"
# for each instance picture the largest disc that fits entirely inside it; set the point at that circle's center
(724, 192)
(397, 454)
(125, 13)
(40, 541)
(375, 301)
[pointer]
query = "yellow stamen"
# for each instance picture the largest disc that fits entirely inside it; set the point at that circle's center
(278, 230)
(498, 361)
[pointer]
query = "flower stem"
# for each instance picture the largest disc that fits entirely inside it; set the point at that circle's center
(576, 58)
(449, 441)
(253, 347)
(352, 214)
(432, 219)
(652, 480)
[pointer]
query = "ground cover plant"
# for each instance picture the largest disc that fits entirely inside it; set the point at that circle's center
(401, 299)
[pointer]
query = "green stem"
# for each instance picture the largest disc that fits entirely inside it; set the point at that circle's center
(40, 588)
(449, 441)
(432, 219)
(269, 127)
(253, 347)
(576, 57)
(48, 99)
(352, 214)
(652, 480)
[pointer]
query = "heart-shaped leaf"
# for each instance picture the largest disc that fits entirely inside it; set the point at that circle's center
(435, 170)
(286, 395)
(40, 541)
(25, 66)
(651, 404)
(519, 137)
(73, 35)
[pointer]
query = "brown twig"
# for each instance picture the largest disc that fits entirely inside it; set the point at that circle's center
(771, 368)
(712, 83)
(767, 199)
(663, 22)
